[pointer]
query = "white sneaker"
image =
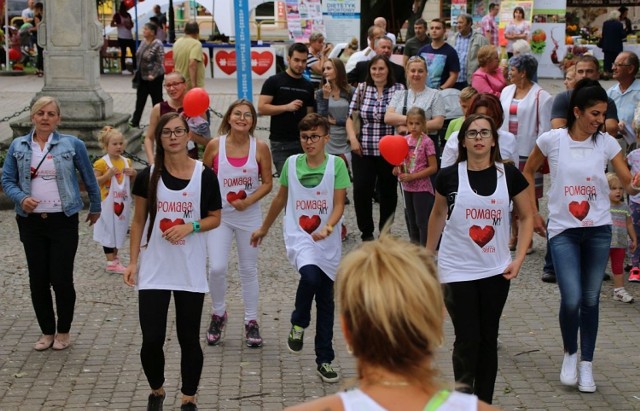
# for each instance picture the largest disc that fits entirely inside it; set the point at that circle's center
(622, 295)
(126, 73)
(585, 382)
(569, 372)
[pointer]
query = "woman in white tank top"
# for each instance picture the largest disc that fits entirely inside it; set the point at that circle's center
(176, 201)
(381, 289)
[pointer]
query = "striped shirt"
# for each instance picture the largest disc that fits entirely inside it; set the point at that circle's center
(488, 25)
(462, 47)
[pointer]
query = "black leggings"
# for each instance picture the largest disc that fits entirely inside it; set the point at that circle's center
(131, 45)
(153, 308)
(475, 308)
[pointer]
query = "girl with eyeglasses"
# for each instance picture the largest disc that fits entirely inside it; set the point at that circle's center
(243, 166)
(176, 200)
(471, 212)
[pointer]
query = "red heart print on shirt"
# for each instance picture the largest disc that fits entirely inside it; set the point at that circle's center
(579, 209)
(118, 208)
(309, 224)
(481, 236)
(167, 223)
(233, 196)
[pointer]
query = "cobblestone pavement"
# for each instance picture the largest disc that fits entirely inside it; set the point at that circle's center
(102, 368)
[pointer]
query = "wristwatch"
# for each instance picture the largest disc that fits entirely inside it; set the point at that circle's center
(196, 226)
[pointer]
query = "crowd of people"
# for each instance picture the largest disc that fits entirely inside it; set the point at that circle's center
(470, 185)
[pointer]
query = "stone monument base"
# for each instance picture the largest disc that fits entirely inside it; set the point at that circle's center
(88, 131)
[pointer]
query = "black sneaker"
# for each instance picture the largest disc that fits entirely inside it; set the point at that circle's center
(327, 373)
(215, 331)
(189, 406)
(294, 342)
(155, 402)
(252, 334)
(548, 277)
(606, 277)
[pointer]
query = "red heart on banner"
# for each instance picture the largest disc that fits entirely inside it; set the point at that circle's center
(233, 196)
(226, 60)
(481, 236)
(261, 62)
(166, 223)
(309, 224)
(579, 209)
(118, 208)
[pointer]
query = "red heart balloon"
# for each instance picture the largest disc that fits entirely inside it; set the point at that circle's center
(195, 102)
(394, 149)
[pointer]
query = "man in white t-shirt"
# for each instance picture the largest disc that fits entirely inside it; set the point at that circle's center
(28, 14)
(382, 23)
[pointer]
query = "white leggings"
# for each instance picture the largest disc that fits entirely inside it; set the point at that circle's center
(219, 243)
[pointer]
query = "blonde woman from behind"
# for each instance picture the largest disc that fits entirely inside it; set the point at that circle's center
(382, 288)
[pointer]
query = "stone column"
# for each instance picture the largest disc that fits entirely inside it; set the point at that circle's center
(71, 37)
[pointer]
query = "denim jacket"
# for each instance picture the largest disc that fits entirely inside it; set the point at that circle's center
(69, 153)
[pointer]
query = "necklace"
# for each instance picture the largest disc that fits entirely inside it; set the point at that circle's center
(392, 383)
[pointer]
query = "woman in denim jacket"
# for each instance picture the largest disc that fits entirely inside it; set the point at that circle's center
(39, 175)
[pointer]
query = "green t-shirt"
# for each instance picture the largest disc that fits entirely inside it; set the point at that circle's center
(454, 125)
(311, 177)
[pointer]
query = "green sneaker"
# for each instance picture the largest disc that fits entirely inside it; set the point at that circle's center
(294, 343)
(327, 373)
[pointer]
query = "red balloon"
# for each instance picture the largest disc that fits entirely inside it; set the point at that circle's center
(129, 3)
(14, 55)
(394, 149)
(195, 102)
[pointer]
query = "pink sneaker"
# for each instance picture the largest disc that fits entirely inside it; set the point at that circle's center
(634, 275)
(115, 267)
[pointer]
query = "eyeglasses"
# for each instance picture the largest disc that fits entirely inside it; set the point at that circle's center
(170, 85)
(416, 58)
(178, 132)
(313, 138)
(239, 114)
(473, 134)
(619, 65)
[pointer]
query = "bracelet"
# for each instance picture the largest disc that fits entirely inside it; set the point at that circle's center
(329, 228)
(196, 226)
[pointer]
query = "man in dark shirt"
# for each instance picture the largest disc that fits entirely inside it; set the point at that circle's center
(287, 97)
(382, 46)
(415, 43)
(442, 59)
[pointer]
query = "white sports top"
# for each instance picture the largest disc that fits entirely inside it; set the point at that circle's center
(356, 400)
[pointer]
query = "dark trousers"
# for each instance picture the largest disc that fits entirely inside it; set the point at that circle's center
(315, 283)
(40, 58)
(124, 44)
(281, 150)
(475, 308)
(50, 246)
(153, 308)
(365, 171)
(145, 89)
(417, 209)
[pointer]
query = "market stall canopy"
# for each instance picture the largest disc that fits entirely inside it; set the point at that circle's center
(222, 12)
(602, 3)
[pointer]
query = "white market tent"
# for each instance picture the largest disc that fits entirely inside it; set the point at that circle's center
(222, 12)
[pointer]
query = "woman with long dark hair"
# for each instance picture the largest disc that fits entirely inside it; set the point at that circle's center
(471, 211)
(176, 200)
(579, 221)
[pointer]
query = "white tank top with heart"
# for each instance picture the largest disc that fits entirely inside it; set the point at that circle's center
(239, 183)
(476, 236)
(111, 228)
(183, 265)
(579, 193)
(308, 210)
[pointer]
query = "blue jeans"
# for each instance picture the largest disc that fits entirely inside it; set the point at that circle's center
(314, 282)
(580, 257)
